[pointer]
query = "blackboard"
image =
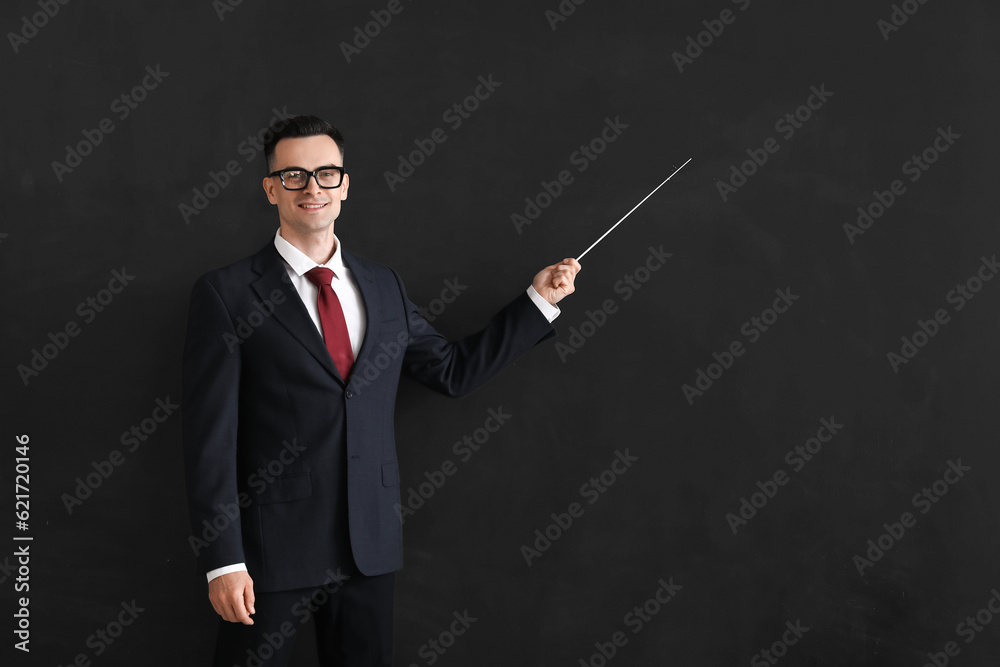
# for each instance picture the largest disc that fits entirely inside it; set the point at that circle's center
(766, 432)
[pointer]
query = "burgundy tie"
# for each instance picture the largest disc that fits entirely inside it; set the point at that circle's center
(331, 316)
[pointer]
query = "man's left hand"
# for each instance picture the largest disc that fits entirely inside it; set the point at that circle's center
(555, 282)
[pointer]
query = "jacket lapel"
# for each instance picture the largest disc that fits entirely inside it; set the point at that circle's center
(370, 297)
(292, 314)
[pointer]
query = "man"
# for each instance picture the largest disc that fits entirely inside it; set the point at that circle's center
(291, 365)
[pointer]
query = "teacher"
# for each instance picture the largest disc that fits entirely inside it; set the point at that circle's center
(291, 364)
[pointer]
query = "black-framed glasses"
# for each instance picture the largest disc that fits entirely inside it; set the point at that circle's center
(297, 178)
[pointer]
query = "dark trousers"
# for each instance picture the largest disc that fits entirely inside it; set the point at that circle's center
(353, 625)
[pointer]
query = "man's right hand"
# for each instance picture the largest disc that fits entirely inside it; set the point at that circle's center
(232, 597)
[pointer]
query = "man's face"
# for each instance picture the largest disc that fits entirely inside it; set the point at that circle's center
(313, 208)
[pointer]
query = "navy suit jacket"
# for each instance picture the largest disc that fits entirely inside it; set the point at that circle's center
(289, 468)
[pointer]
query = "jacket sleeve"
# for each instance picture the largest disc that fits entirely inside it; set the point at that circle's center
(211, 376)
(455, 368)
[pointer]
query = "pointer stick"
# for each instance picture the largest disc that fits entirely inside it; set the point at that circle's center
(630, 212)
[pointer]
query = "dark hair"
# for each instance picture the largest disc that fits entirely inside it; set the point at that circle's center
(301, 126)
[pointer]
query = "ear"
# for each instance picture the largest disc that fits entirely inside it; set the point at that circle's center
(344, 186)
(269, 188)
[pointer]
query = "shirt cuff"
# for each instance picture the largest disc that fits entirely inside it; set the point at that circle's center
(219, 571)
(550, 311)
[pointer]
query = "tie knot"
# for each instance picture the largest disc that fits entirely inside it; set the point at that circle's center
(320, 276)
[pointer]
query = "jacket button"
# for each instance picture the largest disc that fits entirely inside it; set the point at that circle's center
(349, 394)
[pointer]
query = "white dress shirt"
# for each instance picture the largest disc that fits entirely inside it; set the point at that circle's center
(298, 264)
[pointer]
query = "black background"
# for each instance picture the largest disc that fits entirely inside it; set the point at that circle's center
(61, 237)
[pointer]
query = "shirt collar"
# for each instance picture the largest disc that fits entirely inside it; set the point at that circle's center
(301, 263)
